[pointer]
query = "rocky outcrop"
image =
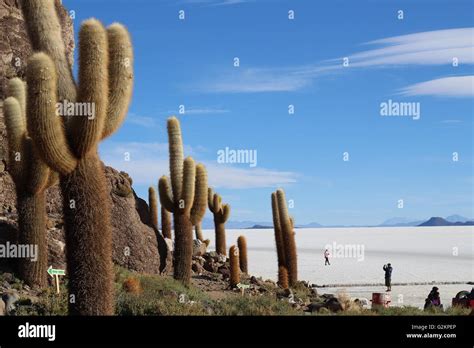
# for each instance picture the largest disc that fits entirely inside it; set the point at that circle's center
(14, 44)
(136, 245)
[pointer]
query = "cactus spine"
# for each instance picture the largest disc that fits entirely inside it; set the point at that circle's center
(153, 207)
(69, 146)
(185, 198)
(234, 266)
(221, 214)
(165, 223)
(285, 239)
(32, 177)
(242, 245)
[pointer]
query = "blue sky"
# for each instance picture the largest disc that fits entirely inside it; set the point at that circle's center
(337, 109)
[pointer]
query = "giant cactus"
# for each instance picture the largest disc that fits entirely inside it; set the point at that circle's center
(234, 266)
(185, 197)
(68, 145)
(221, 214)
(243, 261)
(32, 177)
(153, 207)
(285, 240)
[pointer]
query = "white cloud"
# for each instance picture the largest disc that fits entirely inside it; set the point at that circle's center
(149, 161)
(258, 80)
(216, 2)
(437, 47)
(455, 86)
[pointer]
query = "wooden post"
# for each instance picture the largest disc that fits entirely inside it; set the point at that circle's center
(57, 283)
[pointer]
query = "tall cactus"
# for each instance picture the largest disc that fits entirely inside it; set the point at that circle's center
(32, 177)
(221, 214)
(69, 145)
(165, 222)
(243, 261)
(153, 207)
(185, 198)
(234, 266)
(285, 239)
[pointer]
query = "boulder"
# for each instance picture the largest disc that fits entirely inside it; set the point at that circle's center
(199, 248)
(10, 298)
(3, 309)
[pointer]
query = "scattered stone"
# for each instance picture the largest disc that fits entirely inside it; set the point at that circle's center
(199, 248)
(9, 298)
(3, 310)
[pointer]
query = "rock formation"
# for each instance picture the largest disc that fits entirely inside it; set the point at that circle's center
(136, 246)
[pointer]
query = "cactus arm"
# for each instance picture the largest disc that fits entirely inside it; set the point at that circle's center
(280, 245)
(16, 138)
(120, 77)
(45, 35)
(176, 157)
(200, 197)
(189, 184)
(164, 190)
(283, 211)
(53, 179)
(93, 87)
(17, 90)
(153, 207)
(38, 171)
(225, 213)
(210, 199)
(48, 135)
(216, 203)
(288, 237)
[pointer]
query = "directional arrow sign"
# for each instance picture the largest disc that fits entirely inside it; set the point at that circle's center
(52, 272)
(243, 286)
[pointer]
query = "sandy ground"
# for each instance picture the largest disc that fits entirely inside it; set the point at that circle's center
(408, 295)
(417, 254)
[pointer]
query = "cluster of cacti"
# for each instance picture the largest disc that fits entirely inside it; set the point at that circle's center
(153, 207)
(285, 241)
(242, 245)
(32, 177)
(234, 266)
(221, 214)
(68, 145)
(185, 198)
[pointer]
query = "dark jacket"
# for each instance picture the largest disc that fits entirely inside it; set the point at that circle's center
(388, 271)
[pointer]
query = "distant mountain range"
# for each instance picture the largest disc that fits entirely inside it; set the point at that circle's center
(452, 220)
(439, 221)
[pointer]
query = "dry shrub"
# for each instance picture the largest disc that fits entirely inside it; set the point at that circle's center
(347, 304)
(132, 285)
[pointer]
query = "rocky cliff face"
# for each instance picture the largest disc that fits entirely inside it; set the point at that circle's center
(136, 245)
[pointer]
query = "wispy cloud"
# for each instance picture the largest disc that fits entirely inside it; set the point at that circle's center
(451, 121)
(205, 111)
(143, 121)
(245, 80)
(429, 48)
(216, 2)
(437, 47)
(149, 161)
(455, 86)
